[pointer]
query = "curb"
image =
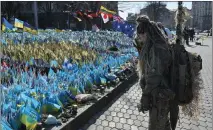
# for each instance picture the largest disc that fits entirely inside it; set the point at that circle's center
(85, 116)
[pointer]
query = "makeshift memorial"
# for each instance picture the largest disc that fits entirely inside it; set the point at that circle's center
(56, 73)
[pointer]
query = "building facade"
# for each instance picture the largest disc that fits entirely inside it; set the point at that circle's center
(202, 15)
(167, 17)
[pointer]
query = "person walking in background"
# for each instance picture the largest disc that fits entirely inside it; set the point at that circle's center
(191, 34)
(186, 35)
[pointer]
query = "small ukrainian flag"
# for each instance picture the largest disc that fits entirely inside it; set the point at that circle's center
(34, 31)
(19, 23)
(58, 30)
(27, 27)
(7, 24)
(3, 28)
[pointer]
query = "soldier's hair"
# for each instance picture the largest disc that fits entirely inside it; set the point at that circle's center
(154, 36)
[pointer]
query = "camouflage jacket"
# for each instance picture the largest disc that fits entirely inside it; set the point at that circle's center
(156, 65)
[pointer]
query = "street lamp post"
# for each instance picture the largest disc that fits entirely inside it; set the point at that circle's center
(35, 13)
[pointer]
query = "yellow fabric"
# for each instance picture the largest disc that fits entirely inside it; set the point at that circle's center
(78, 19)
(27, 29)
(19, 24)
(58, 30)
(35, 32)
(3, 28)
(109, 11)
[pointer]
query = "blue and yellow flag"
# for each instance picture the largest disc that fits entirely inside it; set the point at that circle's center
(34, 31)
(30, 29)
(18, 23)
(58, 30)
(29, 117)
(27, 27)
(105, 10)
(7, 24)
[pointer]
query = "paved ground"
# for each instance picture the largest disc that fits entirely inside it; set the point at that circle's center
(122, 114)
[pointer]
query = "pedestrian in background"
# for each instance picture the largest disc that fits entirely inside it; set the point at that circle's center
(186, 35)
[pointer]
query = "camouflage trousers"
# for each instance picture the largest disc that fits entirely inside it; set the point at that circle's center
(163, 115)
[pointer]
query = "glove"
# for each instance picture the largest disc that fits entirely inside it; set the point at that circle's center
(145, 103)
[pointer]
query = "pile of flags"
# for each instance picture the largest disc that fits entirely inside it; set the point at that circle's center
(18, 24)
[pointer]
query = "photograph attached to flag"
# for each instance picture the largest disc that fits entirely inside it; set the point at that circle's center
(105, 17)
(19, 23)
(118, 18)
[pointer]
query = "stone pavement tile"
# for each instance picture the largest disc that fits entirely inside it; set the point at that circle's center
(119, 114)
(98, 122)
(105, 123)
(185, 126)
(109, 118)
(130, 121)
(202, 128)
(107, 128)
(202, 123)
(194, 127)
(114, 129)
(134, 127)
(144, 124)
(113, 113)
(137, 123)
(209, 124)
(209, 128)
(186, 121)
(99, 127)
(115, 119)
(142, 128)
(102, 117)
(112, 124)
(119, 125)
(123, 120)
(126, 115)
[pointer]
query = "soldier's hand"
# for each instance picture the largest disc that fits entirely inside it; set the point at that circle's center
(141, 108)
(145, 103)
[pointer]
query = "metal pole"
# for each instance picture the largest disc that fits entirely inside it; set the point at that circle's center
(68, 21)
(35, 14)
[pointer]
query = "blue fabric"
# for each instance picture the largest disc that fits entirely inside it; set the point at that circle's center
(126, 28)
(7, 24)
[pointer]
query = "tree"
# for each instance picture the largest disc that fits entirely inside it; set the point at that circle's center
(11, 8)
(154, 9)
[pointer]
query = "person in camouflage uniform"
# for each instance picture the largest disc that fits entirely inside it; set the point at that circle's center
(154, 62)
